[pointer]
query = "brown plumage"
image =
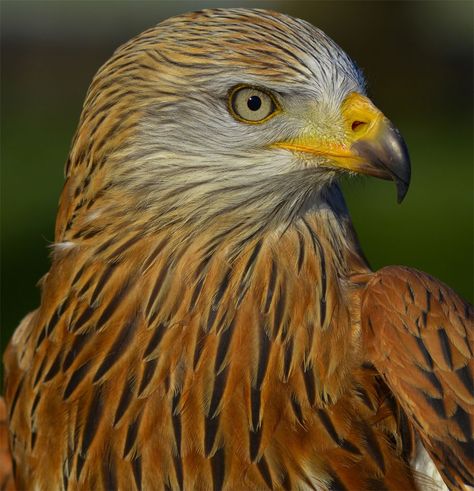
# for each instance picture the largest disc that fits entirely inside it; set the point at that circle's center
(200, 326)
(421, 341)
(6, 472)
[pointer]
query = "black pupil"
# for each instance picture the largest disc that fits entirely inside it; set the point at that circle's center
(254, 102)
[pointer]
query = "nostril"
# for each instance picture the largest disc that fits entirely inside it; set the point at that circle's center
(357, 125)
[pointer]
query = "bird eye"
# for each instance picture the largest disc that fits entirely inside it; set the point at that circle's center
(252, 105)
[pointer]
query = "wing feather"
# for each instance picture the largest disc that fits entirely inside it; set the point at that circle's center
(420, 337)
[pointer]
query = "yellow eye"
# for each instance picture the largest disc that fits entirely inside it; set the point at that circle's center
(252, 105)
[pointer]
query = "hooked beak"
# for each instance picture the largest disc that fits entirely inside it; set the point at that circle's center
(372, 145)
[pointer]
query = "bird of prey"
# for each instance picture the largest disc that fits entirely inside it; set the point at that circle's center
(209, 321)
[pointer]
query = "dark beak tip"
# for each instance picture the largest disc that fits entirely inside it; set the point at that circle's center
(401, 170)
(402, 190)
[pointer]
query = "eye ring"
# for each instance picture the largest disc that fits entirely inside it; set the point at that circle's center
(252, 105)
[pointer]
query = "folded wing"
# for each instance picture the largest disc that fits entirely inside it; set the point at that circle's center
(420, 337)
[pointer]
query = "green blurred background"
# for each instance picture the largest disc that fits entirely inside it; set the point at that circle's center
(417, 57)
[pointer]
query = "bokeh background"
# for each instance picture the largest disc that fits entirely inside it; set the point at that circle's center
(417, 57)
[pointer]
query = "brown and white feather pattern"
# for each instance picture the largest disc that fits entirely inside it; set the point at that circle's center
(198, 328)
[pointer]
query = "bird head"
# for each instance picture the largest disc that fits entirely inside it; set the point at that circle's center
(215, 109)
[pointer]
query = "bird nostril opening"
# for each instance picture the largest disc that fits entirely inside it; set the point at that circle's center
(358, 125)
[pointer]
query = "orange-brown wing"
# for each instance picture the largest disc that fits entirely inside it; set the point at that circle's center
(420, 337)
